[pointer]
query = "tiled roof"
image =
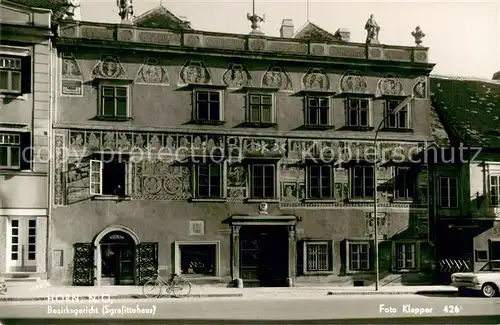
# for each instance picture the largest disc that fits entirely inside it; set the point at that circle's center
(469, 109)
(314, 32)
(161, 17)
(58, 7)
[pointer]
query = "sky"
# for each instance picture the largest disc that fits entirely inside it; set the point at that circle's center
(463, 36)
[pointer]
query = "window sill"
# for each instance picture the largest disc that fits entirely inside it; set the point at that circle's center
(318, 127)
(113, 118)
(110, 198)
(403, 201)
(262, 200)
(320, 201)
(400, 130)
(358, 128)
(221, 200)
(354, 200)
(259, 125)
(14, 96)
(406, 270)
(351, 272)
(307, 273)
(207, 122)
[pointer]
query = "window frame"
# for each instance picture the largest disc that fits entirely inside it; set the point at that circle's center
(248, 109)
(416, 256)
(441, 197)
(127, 179)
(406, 109)
(223, 170)
(178, 257)
(195, 114)
(368, 109)
(330, 256)
(348, 262)
(307, 111)
(309, 178)
(10, 72)
(351, 183)
(9, 145)
(250, 182)
(25, 55)
(497, 186)
(127, 84)
(409, 184)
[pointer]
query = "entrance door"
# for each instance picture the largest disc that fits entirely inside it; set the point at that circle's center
(22, 245)
(494, 248)
(264, 255)
(117, 259)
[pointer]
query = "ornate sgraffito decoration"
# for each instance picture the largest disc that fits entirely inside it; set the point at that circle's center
(194, 72)
(421, 226)
(71, 76)
(153, 73)
(170, 179)
(237, 76)
(109, 67)
(59, 144)
(316, 79)
(382, 223)
(390, 86)
(420, 88)
(277, 77)
(353, 82)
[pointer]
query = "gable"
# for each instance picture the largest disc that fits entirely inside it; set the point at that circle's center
(161, 18)
(312, 32)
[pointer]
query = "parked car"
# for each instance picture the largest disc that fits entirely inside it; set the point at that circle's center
(486, 280)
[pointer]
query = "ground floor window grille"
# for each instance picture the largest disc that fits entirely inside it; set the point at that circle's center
(317, 256)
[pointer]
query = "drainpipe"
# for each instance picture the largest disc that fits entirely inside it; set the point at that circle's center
(48, 265)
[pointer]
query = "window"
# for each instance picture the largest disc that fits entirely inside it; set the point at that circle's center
(448, 192)
(358, 256)
(114, 101)
(10, 74)
(406, 255)
(317, 110)
(495, 190)
(10, 151)
(400, 120)
(317, 256)
(208, 106)
(320, 182)
(404, 183)
(362, 181)
(109, 176)
(260, 108)
(209, 180)
(263, 181)
(197, 259)
(358, 111)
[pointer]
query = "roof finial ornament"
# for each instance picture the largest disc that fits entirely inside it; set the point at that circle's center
(372, 30)
(125, 10)
(255, 19)
(418, 33)
(71, 6)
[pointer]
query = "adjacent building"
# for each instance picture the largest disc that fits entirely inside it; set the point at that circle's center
(25, 97)
(466, 171)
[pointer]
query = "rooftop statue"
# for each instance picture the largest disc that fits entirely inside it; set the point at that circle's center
(71, 5)
(126, 9)
(418, 34)
(255, 20)
(372, 30)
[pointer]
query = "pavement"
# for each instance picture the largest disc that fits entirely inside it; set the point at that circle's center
(245, 310)
(44, 291)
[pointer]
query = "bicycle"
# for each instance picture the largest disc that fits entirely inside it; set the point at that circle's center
(175, 285)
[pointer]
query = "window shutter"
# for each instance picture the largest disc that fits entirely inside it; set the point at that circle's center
(26, 75)
(95, 177)
(26, 151)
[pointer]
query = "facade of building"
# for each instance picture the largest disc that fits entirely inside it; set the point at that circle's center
(216, 156)
(25, 65)
(465, 174)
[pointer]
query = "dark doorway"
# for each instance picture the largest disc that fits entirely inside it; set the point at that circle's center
(117, 259)
(264, 255)
(494, 250)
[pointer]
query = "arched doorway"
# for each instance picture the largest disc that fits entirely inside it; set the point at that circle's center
(115, 256)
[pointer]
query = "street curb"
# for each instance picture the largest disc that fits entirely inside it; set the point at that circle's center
(129, 296)
(344, 293)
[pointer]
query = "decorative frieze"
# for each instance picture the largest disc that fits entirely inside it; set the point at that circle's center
(194, 72)
(152, 73)
(108, 67)
(316, 79)
(59, 167)
(383, 225)
(237, 76)
(277, 77)
(353, 82)
(390, 86)
(420, 88)
(237, 182)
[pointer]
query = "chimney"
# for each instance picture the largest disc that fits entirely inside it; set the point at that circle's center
(342, 34)
(496, 76)
(286, 30)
